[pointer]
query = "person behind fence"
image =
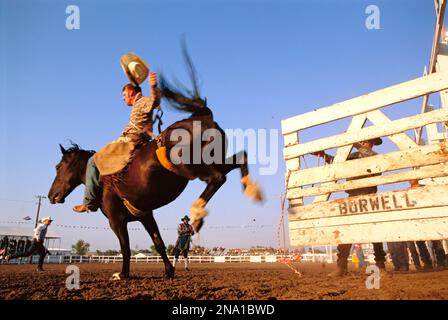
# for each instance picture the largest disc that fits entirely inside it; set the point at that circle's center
(184, 231)
(436, 246)
(37, 245)
(362, 263)
(364, 150)
(4, 243)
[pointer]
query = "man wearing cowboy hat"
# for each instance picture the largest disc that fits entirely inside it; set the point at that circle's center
(364, 150)
(37, 245)
(185, 231)
(140, 123)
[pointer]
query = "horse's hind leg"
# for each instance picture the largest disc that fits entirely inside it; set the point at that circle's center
(239, 160)
(215, 178)
(121, 230)
(150, 225)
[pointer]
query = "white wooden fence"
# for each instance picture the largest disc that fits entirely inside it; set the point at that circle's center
(72, 259)
(412, 214)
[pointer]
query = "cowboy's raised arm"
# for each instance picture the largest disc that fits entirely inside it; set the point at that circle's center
(155, 91)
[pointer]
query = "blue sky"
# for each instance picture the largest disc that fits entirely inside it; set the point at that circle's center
(259, 62)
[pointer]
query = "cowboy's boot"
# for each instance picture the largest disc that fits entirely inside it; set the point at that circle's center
(81, 208)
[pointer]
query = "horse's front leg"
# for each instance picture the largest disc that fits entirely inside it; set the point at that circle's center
(120, 228)
(150, 225)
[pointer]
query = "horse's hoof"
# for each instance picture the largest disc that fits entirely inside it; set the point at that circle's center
(254, 192)
(197, 217)
(169, 275)
(252, 189)
(118, 276)
(197, 212)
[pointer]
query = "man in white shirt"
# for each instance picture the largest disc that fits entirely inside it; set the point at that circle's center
(37, 244)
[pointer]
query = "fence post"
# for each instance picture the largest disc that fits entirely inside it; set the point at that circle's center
(70, 259)
(80, 259)
(60, 259)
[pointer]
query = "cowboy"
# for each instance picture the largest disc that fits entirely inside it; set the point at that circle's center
(115, 155)
(185, 231)
(364, 150)
(37, 245)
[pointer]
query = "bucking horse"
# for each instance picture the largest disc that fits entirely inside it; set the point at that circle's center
(159, 171)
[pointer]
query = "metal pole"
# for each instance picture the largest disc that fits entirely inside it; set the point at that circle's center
(37, 218)
(38, 208)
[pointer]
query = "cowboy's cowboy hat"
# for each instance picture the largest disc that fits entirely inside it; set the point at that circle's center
(185, 218)
(135, 68)
(47, 219)
(376, 141)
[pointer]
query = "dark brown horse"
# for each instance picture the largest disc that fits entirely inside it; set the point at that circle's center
(147, 184)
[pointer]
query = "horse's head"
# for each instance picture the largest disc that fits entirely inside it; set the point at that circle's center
(70, 173)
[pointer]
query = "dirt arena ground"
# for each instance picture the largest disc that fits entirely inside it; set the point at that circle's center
(243, 281)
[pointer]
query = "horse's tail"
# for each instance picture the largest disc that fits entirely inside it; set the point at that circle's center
(187, 101)
(182, 101)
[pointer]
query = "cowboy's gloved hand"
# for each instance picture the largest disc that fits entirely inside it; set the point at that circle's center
(153, 79)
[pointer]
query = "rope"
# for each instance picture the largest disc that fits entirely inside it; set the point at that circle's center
(281, 229)
(159, 115)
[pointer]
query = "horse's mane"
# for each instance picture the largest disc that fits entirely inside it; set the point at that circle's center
(76, 148)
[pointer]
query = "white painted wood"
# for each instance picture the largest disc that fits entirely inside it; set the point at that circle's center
(401, 140)
(415, 157)
(369, 102)
(434, 181)
(442, 66)
(342, 154)
(426, 172)
(433, 134)
(416, 198)
(390, 231)
(218, 259)
(290, 140)
(255, 259)
(432, 131)
(383, 127)
(356, 219)
(437, 34)
(291, 165)
(432, 63)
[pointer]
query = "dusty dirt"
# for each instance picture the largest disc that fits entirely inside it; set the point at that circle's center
(242, 281)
